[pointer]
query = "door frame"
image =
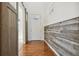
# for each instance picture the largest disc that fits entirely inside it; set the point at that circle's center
(26, 26)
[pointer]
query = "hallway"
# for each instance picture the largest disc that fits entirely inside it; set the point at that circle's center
(55, 23)
(36, 48)
(39, 29)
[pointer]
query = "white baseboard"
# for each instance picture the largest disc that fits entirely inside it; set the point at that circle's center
(51, 48)
(36, 40)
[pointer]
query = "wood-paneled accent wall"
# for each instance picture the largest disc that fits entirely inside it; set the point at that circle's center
(64, 37)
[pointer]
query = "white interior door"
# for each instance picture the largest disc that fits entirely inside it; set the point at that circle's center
(36, 26)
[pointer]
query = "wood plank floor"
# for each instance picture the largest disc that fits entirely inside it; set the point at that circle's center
(36, 48)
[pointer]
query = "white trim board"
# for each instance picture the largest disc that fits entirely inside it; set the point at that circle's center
(51, 48)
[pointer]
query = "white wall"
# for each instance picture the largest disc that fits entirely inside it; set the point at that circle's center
(35, 26)
(13, 4)
(61, 11)
(21, 26)
(49, 12)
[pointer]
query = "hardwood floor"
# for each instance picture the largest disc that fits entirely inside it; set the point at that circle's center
(36, 48)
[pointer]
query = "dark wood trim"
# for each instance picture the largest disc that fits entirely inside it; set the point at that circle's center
(23, 5)
(26, 26)
(0, 25)
(17, 24)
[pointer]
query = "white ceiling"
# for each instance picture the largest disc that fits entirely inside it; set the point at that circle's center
(36, 7)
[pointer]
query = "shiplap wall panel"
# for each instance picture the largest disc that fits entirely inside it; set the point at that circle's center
(64, 36)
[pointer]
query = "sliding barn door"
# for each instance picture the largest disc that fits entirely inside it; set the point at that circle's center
(12, 32)
(9, 38)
